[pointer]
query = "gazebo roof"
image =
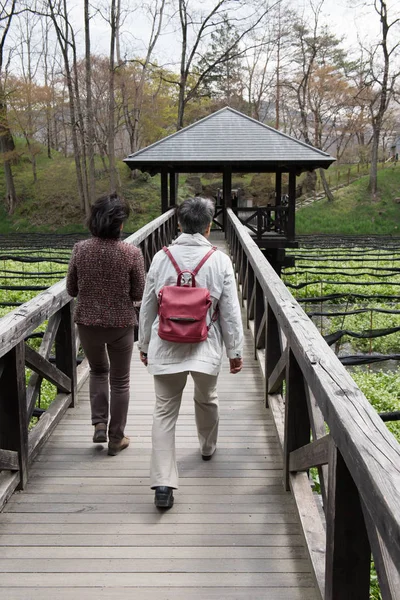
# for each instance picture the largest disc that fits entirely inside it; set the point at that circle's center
(228, 138)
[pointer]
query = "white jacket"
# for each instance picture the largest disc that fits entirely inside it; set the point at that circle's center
(217, 275)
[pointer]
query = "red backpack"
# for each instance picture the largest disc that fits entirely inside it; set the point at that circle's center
(182, 309)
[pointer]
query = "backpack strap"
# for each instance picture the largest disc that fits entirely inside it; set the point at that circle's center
(203, 260)
(171, 258)
(197, 269)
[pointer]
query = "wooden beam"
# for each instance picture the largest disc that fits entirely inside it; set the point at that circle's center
(227, 187)
(312, 455)
(173, 188)
(278, 374)
(226, 192)
(164, 191)
(388, 573)
(318, 430)
(13, 416)
(9, 460)
(47, 424)
(312, 528)
(259, 318)
(348, 552)
(9, 481)
(297, 422)
(42, 366)
(291, 227)
(33, 388)
(65, 350)
(278, 188)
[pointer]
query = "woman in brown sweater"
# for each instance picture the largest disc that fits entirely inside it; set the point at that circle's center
(107, 276)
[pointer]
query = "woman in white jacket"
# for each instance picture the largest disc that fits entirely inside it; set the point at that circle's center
(171, 362)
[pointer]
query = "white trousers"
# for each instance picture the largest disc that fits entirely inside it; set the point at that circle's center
(169, 389)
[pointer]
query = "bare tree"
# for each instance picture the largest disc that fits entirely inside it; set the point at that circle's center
(197, 26)
(314, 50)
(58, 13)
(30, 52)
(133, 104)
(89, 107)
(111, 99)
(7, 146)
(380, 82)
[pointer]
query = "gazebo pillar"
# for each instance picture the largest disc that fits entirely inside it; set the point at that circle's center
(226, 191)
(278, 188)
(290, 233)
(173, 179)
(278, 201)
(164, 191)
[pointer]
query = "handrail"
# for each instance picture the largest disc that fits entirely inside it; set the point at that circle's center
(24, 319)
(321, 396)
(17, 400)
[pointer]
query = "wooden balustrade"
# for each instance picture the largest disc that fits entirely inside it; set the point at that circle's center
(18, 398)
(323, 420)
(262, 220)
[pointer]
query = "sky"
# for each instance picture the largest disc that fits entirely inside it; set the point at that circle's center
(346, 18)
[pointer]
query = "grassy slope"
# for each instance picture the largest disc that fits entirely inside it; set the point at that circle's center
(353, 212)
(51, 204)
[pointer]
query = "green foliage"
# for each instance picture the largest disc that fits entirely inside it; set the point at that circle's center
(55, 271)
(224, 79)
(382, 388)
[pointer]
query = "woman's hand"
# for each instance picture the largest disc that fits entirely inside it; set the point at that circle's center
(236, 365)
(143, 358)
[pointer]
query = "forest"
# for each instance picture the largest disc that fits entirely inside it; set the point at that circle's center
(99, 80)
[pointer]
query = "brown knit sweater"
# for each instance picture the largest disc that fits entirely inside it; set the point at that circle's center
(107, 276)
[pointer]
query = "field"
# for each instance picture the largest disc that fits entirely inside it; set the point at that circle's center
(353, 297)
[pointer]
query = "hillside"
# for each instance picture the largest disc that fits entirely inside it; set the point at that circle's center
(51, 204)
(353, 212)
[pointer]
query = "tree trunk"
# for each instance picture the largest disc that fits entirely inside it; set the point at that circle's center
(373, 172)
(7, 149)
(325, 185)
(64, 43)
(89, 111)
(111, 101)
(310, 181)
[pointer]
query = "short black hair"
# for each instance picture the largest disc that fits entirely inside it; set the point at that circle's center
(107, 215)
(195, 214)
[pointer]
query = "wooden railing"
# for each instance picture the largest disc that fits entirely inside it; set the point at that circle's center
(262, 220)
(323, 420)
(18, 445)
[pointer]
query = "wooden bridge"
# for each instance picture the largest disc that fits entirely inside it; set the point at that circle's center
(79, 524)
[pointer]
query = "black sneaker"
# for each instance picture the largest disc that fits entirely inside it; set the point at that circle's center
(164, 498)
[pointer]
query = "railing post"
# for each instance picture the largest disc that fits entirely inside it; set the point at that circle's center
(348, 553)
(250, 291)
(65, 348)
(13, 410)
(259, 319)
(297, 420)
(273, 347)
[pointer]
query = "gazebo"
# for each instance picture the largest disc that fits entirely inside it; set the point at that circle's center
(228, 142)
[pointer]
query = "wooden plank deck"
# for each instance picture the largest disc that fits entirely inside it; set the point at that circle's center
(86, 526)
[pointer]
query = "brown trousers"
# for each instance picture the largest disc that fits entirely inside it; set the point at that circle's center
(109, 352)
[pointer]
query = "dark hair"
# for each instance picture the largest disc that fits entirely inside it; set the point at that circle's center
(195, 214)
(107, 215)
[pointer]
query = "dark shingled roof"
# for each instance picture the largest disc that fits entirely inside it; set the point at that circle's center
(228, 137)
